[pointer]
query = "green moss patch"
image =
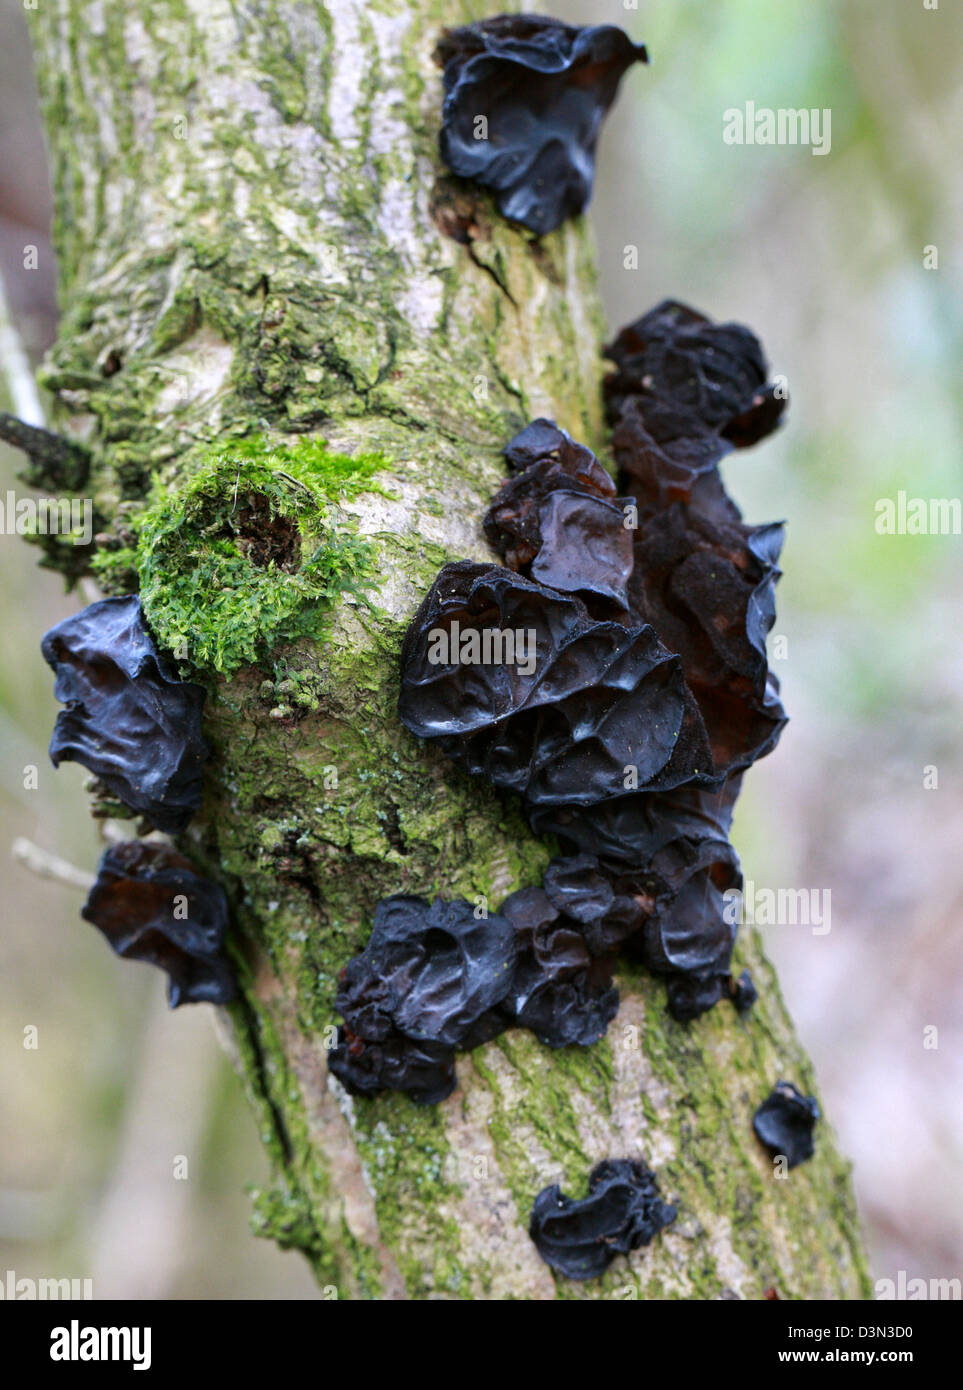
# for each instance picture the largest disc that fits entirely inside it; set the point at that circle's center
(252, 550)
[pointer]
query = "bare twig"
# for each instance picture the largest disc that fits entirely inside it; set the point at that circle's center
(15, 367)
(46, 865)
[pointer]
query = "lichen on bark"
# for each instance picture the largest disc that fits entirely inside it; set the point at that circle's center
(257, 242)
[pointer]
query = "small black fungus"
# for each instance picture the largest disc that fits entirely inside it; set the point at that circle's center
(430, 971)
(591, 699)
(743, 992)
(525, 97)
(151, 905)
(423, 1070)
(559, 522)
(690, 375)
(128, 719)
(622, 1212)
(668, 853)
(784, 1123)
(432, 977)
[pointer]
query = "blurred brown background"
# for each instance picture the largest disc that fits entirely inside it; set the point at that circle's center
(824, 257)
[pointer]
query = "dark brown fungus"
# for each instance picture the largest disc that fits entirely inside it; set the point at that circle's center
(430, 979)
(743, 992)
(128, 718)
(708, 590)
(785, 1121)
(152, 906)
(559, 522)
(684, 469)
(669, 854)
(525, 97)
(690, 375)
(623, 1211)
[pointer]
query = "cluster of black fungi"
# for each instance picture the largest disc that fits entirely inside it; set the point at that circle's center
(132, 723)
(648, 697)
(649, 614)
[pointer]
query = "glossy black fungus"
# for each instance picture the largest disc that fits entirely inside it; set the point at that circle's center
(592, 699)
(54, 462)
(635, 772)
(429, 971)
(622, 1212)
(128, 718)
(685, 469)
(543, 89)
(690, 996)
(784, 1123)
(689, 374)
(669, 854)
(743, 992)
(578, 888)
(629, 831)
(559, 522)
(423, 1070)
(708, 590)
(152, 906)
(560, 990)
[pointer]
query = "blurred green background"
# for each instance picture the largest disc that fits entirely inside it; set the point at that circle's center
(824, 258)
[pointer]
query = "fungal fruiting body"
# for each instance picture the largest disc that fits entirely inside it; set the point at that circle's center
(785, 1121)
(693, 377)
(636, 689)
(152, 906)
(623, 1211)
(128, 718)
(525, 97)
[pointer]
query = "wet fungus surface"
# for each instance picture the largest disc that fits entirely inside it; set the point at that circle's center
(525, 97)
(128, 718)
(152, 906)
(691, 376)
(613, 673)
(785, 1121)
(623, 1211)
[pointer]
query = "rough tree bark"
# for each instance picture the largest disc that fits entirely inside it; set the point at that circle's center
(254, 233)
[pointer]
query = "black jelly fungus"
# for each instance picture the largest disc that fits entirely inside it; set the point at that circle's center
(559, 522)
(689, 374)
(152, 906)
(785, 1121)
(645, 691)
(128, 718)
(431, 971)
(743, 992)
(623, 1211)
(431, 978)
(525, 96)
(591, 699)
(423, 1070)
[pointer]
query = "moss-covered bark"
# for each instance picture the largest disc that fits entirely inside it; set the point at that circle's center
(257, 243)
